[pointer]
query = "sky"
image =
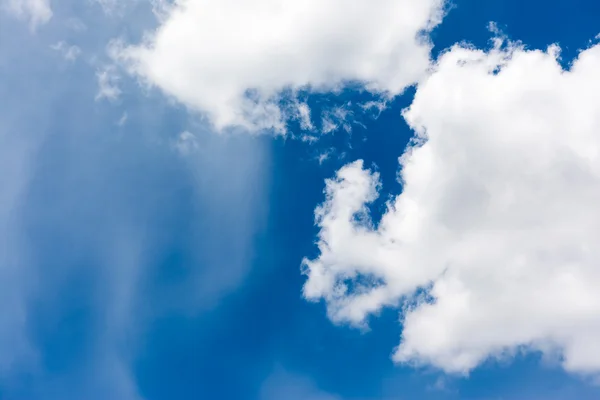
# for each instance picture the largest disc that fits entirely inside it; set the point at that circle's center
(316, 200)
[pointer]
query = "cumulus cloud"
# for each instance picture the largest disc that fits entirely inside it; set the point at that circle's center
(231, 59)
(491, 247)
(36, 12)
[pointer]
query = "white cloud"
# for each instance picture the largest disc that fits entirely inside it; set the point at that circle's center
(498, 219)
(230, 59)
(36, 12)
(162, 8)
(377, 107)
(303, 116)
(108, 83)
(69, 52)
(324, 156)
(336, 118)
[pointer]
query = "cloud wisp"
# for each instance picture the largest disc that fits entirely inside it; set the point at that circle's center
(35, 12)
(89, 214)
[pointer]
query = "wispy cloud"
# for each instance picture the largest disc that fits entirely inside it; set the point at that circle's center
(108, 83)
(69, 52)
(36, 12)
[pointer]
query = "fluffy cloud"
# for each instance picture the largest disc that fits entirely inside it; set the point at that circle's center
(492, 246)
(37, 12)
(231, 59)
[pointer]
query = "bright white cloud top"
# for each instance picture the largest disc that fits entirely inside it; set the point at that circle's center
(499, 216)
(210, 54)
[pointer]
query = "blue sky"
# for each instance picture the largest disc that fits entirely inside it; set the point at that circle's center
(154, 223)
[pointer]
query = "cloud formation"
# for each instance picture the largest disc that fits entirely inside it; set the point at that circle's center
(108, 87)
(492, 244)
(36, 12)
(69, 52)
(231, 59)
